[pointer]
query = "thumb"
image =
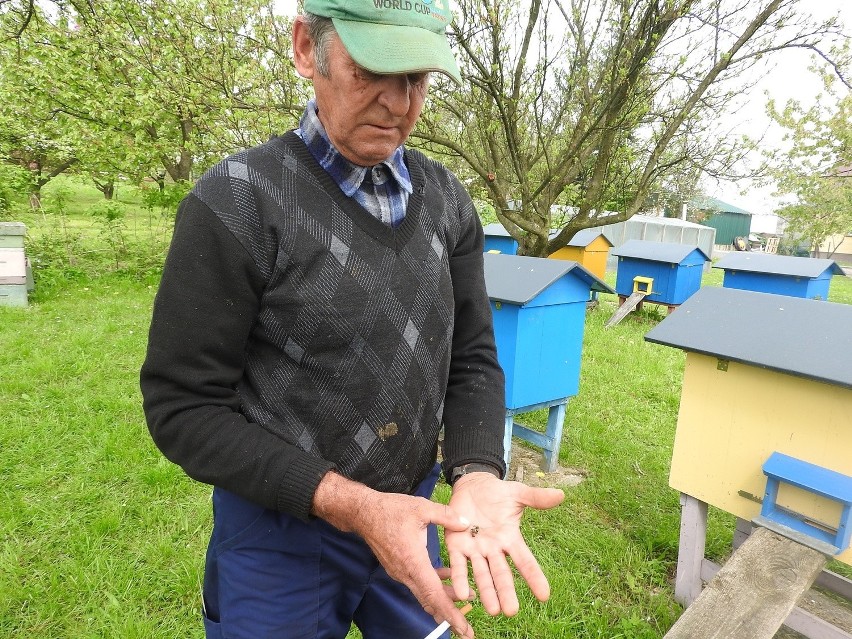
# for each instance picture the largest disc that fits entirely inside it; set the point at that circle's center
(443, 515)
(542, 498)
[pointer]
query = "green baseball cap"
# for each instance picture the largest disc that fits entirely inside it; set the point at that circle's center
(393, 36)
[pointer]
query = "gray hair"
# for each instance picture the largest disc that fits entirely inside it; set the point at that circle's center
(320, 31)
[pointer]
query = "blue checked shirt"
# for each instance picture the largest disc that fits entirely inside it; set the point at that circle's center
(382, 189)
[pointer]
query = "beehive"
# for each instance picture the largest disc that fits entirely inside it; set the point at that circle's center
(764, 373)
(675, 269)
(780, 274)
(13, 264)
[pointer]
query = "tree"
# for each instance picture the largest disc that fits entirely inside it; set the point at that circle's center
(31, 138)
(595, 104)
(155, 85)
(815, 171)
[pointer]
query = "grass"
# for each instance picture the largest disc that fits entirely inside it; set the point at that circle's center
(77, 232)
(96, 526)
(100, 536)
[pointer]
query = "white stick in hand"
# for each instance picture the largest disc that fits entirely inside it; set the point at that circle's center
(445, 625)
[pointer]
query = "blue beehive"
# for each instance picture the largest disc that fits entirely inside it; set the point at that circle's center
(780, 274)
(676, 269)
(539, 310)
(498, 239)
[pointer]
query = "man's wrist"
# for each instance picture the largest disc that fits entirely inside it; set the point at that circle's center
(339, 501)
(473, 467)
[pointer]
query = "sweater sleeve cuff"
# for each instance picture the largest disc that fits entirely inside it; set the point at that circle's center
(296, 493)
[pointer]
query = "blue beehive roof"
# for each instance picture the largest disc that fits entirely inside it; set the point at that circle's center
(669, 252)
(802, 337)
(586, 237)
(518, 279)
(778, 264)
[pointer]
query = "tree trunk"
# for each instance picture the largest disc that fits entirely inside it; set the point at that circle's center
(108, 189)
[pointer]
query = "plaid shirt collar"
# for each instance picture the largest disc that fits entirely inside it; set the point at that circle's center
(347, 175)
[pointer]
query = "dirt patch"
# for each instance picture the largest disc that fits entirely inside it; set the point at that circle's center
(525, 466)
(827, 606)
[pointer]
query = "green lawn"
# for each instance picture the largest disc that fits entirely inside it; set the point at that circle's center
(101, 537)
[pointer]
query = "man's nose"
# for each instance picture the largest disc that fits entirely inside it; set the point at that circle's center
(395, 93)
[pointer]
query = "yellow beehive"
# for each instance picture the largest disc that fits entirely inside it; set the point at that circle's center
(588, 247)
(763, 373)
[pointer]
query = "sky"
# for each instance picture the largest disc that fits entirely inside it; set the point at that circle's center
(788, 78)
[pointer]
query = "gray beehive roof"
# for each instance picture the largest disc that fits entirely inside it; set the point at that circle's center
(517, 279)
(802, 337)
(12, 228)
(668, 252)
(495, 229)
(586, 237)
(777, 264)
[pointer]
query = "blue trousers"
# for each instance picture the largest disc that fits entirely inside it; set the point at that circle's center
(269, 575)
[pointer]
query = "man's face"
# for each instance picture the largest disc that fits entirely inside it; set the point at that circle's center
(366, 115)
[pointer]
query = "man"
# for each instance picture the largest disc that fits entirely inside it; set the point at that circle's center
(322, 316)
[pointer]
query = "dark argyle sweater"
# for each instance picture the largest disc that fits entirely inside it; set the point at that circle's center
(294, 333)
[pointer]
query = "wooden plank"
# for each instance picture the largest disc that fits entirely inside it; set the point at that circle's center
(752, 595)
(690, 554)
(827, 580)
(555, 422)
(800, 619)
(549, 441)
(629, 304)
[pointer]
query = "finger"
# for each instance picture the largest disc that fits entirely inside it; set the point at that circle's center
(528, 567)
(459, 624)
(439, 603)
(485, 584)
(444, 573)
(464, 610)
(451, 593)
(504, 583)
(458, 574)
(424, 581)
(462, 628)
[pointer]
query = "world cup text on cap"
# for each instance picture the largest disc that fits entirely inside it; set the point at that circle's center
(406, 5)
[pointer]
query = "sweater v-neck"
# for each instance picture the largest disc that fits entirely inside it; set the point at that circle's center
(394, 238)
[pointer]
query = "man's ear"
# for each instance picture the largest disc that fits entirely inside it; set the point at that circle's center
(303, 49)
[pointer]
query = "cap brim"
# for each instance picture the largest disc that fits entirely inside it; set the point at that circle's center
(385, 48)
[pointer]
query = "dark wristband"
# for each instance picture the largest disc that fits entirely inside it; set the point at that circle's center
(473, 467)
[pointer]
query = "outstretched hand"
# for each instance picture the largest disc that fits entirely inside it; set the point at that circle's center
(395, 527)
(494, 508)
